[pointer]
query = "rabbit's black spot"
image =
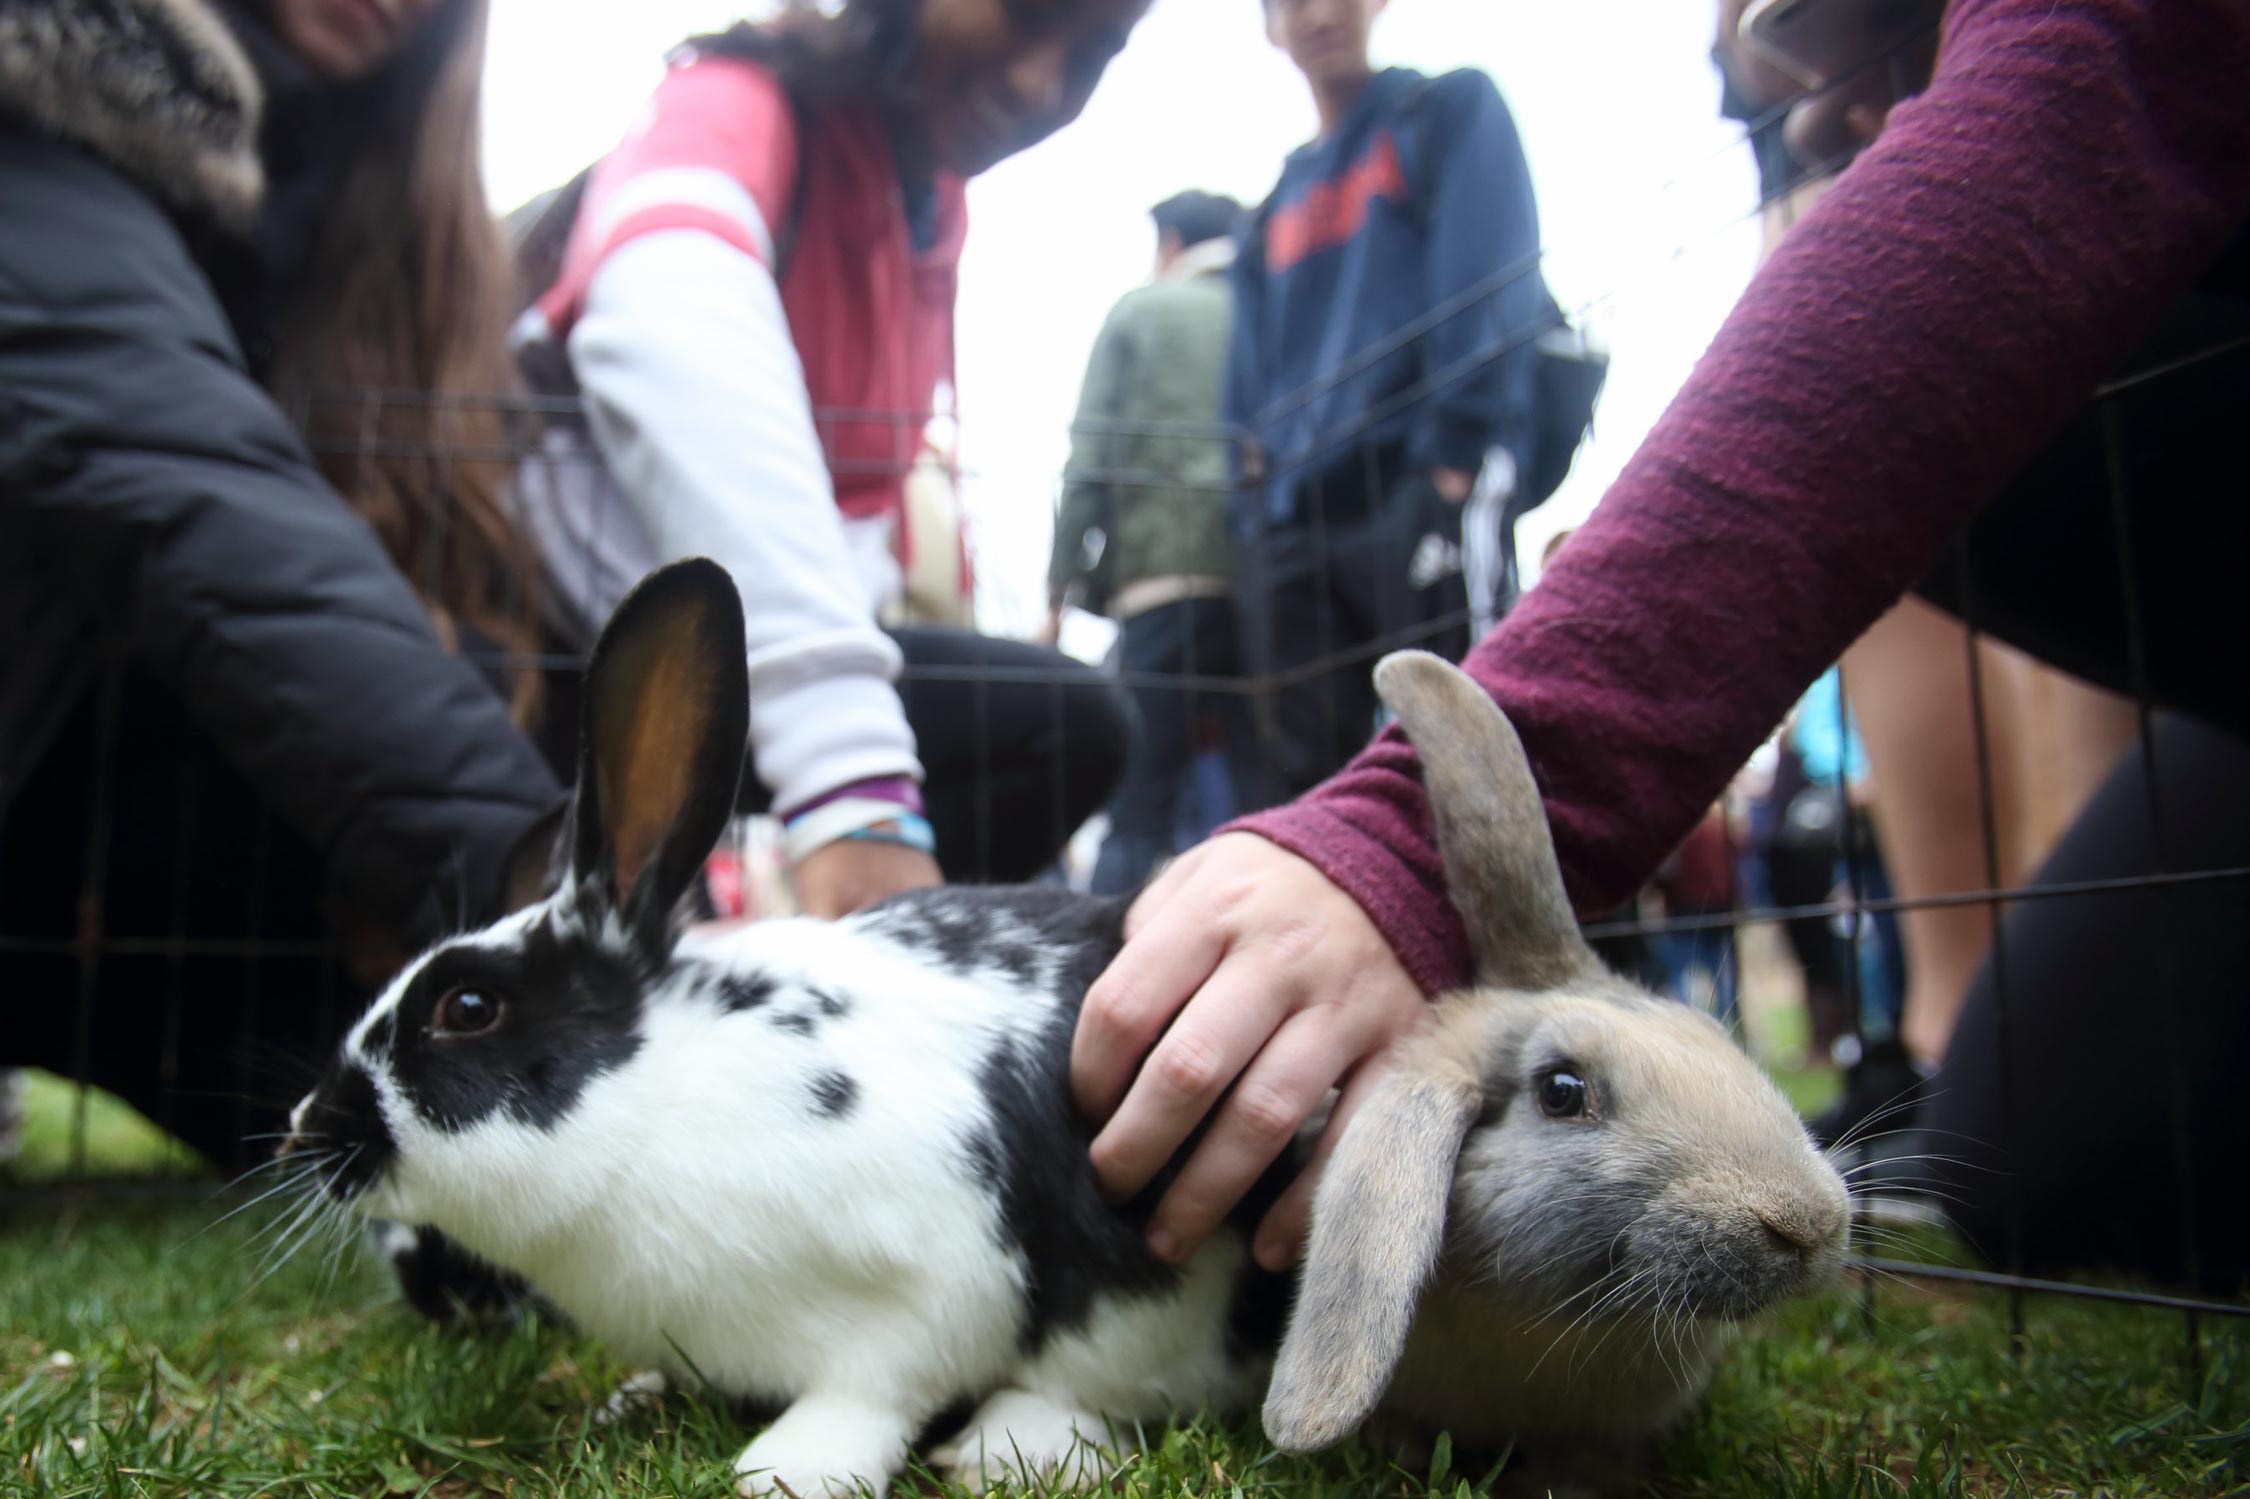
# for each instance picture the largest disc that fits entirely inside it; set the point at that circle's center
(445, 1282)
(831, 1006)
(381, 1035)
(346, 1115)
(797, 1022)
(1017, 959)
(1029, 933)
(739, 991)
(574, 1014)
(986, 1165)
(1260, 1311)
(835, 1094)
(732, 992)
(1075, 1245)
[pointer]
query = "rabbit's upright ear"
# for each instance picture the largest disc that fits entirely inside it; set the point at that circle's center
(666, 718)
(1491, 828)
(535, 863)
(1378, 1226)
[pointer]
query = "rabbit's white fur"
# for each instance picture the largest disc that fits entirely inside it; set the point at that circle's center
(828, 1166)
(688, 1213)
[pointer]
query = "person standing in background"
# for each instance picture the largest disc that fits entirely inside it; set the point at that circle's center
(1383, 373)
(1141, 531)
(752, 297)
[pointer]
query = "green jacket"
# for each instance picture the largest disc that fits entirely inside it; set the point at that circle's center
(1148, 457)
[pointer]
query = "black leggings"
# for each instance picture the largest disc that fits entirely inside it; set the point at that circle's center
(1358, 573)
(2087, 1104)
(1019, 745)
(218, 990)
(2087, 1094)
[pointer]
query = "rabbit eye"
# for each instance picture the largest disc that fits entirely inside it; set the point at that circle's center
(1562, 1095)
(465, 1012)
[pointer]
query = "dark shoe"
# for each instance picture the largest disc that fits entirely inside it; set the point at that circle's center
(1882, 1091)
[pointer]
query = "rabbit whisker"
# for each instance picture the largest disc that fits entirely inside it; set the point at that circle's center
(309, 1217)
(305, 1167)
(1858, 1134)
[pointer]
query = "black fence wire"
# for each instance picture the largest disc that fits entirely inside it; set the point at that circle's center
(227, 935)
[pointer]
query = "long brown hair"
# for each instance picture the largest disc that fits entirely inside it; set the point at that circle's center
(398, 349)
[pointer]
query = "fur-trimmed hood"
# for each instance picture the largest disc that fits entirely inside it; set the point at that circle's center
(160, 89)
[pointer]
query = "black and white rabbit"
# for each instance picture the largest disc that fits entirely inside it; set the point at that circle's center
(834, 1167)
(831, 1166)
(1568, 1194)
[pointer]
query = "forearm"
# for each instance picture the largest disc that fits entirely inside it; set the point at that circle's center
(270, 612)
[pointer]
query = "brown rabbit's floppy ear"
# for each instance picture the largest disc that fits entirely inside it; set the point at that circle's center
(1378, 1226)
(667, 715)
(1491, 827)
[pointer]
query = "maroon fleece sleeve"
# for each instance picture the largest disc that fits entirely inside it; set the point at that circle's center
(1961, 289)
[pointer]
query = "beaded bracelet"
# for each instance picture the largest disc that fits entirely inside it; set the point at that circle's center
(906, 830)
(827, 823)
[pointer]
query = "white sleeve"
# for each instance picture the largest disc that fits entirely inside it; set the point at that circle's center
(697, 401)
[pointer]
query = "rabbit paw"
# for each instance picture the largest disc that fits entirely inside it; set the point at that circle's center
(825, 1448)
(1025, 1438)
(636, 1393)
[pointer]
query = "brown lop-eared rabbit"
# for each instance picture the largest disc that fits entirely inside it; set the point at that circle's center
(1568, 1195)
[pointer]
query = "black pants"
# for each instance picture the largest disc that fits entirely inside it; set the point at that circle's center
(216, 991)
(2087, 1113)
(1357, 572)
(1193, 638)
(1019, 745)
(2088, 1095)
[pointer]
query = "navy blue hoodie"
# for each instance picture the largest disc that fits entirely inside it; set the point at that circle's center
(1400, 252)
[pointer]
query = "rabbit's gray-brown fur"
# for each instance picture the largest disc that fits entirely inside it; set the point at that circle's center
(1552, 1216)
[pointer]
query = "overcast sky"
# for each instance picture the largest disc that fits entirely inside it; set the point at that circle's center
(1645, 197)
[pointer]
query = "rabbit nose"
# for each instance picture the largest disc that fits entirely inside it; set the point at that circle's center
(1793, 1234)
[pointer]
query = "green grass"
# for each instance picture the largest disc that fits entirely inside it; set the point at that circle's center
(141, 1354)
(118, 1141)
(134, 1361)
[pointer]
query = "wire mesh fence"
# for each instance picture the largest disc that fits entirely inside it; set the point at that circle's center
(167, 937)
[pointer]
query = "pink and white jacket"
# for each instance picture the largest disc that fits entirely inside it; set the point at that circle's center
(758, 343)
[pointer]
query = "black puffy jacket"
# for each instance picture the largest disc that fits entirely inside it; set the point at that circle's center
(156, 504)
